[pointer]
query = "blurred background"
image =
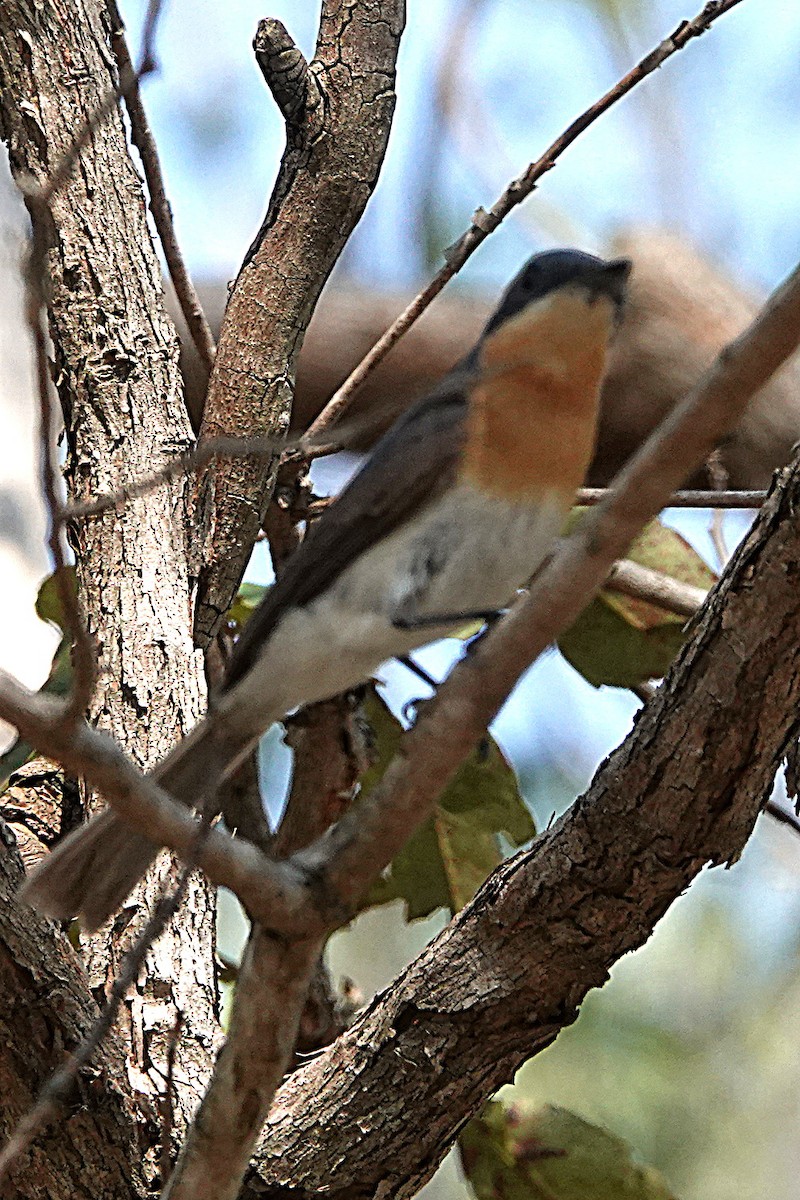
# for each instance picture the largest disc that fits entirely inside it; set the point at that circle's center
(689, 1051)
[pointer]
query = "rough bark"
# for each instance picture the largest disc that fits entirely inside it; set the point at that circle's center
(330, 167)
(96, 1147)
(118, 380)
(375, 1114)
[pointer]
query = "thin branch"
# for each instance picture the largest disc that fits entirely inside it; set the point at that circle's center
(144, 142)
(192, 460)
(500, 982)
(265, 447)
(641, 583)
(687, 498)
(484, 223)
(783, 815)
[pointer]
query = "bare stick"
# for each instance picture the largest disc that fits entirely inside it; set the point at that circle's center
(484, 223)
(202, 454)
(783, 815)
(686, 498)
(144, 142)
(641, 583)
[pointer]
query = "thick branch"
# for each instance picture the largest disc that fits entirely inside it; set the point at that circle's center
(366, 840)
(684, 789)
(328, 172)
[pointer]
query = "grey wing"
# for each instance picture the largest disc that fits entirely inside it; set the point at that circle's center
(414, 462)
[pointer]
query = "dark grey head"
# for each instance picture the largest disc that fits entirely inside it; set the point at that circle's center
(555, 269)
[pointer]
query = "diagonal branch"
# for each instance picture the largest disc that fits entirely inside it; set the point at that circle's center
(346, 859)
(484, 223)
(366, 839)
(509, 973)
(272, 892)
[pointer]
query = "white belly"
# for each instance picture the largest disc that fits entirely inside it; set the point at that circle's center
(463, 554)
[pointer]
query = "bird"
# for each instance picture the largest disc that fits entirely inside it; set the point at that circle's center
(451, 515)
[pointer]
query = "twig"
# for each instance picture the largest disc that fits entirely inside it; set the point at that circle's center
(686, 498)
(719, 481)
(484, 223)
(56, 1090)
(641, 583)
(202, 454)
(265, 447)
(144, 142)
(783, 815)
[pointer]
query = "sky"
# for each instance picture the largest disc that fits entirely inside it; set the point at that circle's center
(706, 145)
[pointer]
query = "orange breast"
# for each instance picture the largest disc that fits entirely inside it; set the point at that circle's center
(533, 409)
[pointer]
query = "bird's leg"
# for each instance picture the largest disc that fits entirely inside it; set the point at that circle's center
(431, 620)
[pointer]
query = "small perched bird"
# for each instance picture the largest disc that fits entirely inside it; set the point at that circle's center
(453, 512)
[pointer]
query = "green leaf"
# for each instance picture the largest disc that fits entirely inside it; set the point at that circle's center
(48, 601)
(247, 599)
(447, 859)
(623, 642)
(58, 683)
(551, 1154)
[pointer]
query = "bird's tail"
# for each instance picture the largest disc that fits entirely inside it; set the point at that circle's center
(91, 872)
